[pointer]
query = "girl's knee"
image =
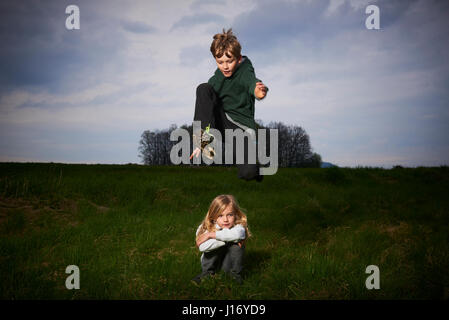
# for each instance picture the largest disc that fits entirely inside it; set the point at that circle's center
(236, 249)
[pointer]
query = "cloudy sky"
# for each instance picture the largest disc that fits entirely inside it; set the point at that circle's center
(365, 97)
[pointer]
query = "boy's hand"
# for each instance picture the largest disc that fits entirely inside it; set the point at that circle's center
(195, 153)
(260, 91)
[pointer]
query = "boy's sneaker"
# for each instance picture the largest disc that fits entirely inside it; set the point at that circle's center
(206, 139)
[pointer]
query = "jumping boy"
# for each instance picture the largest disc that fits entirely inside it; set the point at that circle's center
(226, 101)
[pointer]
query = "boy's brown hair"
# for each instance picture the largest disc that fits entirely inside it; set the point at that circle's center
(225, 43)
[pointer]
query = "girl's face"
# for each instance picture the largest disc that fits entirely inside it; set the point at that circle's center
(226, 218)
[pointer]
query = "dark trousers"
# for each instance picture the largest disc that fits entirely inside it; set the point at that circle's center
(209, 111)
(228, 258)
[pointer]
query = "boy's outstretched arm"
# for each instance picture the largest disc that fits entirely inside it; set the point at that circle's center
(260, 91)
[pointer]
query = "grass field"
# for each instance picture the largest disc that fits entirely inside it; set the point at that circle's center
(130, 230)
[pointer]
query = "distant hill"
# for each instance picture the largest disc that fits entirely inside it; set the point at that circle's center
(327, 165)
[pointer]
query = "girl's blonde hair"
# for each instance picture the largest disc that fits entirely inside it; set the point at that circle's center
(218, 205)
(225, 43)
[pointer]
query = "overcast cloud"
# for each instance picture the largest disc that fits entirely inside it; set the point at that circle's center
(365, 97)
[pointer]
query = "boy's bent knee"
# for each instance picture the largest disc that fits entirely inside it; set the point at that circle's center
(204, 87)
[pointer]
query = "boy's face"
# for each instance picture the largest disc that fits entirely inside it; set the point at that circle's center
(228, 65)
(226, 219)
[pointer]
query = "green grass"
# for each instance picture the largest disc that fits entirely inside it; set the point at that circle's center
(130, 230)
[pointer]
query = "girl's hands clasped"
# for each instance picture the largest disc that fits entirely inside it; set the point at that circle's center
(204, 237)
(211, 235)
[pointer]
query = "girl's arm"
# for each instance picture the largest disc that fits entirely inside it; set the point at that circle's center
(206, 242)
(210, 245)
(235, 234)
(210, 241)
(204, 237)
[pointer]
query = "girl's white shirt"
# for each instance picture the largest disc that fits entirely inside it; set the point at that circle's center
(222, 235)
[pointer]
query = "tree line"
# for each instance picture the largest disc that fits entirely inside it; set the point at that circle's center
(294, 148)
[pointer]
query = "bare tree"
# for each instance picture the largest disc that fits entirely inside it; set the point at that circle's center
(294, 146)
(155, 146)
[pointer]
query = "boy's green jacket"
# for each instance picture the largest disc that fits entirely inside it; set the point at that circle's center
(236, 93)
